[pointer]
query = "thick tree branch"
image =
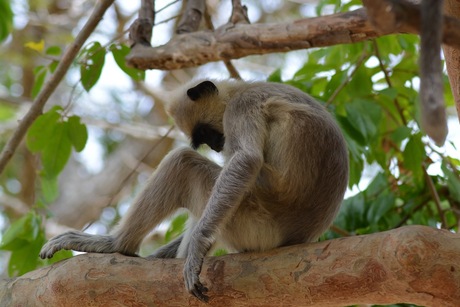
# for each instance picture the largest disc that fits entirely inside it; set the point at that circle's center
(236, 41)
(240, 40)
(415, 264)
(452, 55)
(49, 87)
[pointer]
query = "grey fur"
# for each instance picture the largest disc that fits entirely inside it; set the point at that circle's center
(284, 178)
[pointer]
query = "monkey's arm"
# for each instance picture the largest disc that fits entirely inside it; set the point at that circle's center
(245, 138)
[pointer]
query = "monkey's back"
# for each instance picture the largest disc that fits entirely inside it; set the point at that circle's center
(305, 170)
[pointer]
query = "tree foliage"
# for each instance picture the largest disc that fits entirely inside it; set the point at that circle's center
(397, 176)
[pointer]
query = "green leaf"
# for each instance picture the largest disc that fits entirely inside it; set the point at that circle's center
(40, 75)
(356, 170)
(220, 252)
(119, 53)
(20, 232)
(91, 70)
(6, 112)
(364, 116)
(78, 134)
(453, 182)
(26, 259)
(379, 207)
(275, 76)
(41, 131)
(6, 19)
(57, 152)
(361, 83)
(176, 228)
(49, 188)
(53, 50)
(58, 256)
(52, 66)
(414, 154)
(400, 134)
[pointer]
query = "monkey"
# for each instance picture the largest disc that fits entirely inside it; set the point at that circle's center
(282, 182)
(433, 110)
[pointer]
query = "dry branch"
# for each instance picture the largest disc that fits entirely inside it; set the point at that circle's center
(192, 16)
(49, 87)
(415, 264)
(240, 40)
(452, 55)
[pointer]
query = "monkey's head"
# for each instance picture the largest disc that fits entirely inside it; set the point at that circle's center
(198, 111)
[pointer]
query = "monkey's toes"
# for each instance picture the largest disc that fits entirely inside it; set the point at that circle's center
(48, 250)
(199, 292)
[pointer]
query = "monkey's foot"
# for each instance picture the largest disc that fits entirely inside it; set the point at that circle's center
(82, 242)
(52, 246)
(192, 280)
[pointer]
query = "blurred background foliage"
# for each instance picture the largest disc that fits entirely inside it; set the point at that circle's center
(104, 129)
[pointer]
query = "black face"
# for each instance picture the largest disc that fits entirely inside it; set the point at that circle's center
(205, 134)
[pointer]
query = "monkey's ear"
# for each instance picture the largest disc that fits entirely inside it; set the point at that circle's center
(205, 88)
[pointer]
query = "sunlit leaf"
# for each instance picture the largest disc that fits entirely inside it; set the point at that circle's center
(53, 50)
(49, 189)
(414, 154)
(6, 19)
(20, 232)
(37, 46)
(92, 69)
(119, 53)
(41, 131)
(78, 134)
(453, 181)
(40, 75)
(56, 154)
(177, 227)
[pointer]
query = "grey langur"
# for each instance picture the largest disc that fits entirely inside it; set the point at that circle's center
(283, 180)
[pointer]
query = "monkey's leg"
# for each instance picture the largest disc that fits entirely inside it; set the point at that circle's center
(183, 179)
(169, 250)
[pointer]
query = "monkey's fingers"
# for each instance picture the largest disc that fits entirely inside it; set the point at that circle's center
(49, 249)
(199, 292)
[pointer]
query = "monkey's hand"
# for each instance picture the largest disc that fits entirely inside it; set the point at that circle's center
(81, 242)
(192, 269)
(56, 244)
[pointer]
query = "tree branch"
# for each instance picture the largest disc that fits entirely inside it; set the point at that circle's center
(191, 18)
(236, 41)
(452, 55)
(414, 264)
(39, 102)
(240, 40)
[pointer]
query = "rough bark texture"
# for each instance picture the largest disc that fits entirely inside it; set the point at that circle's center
(415, 264)
(452, 55)
(240, 40)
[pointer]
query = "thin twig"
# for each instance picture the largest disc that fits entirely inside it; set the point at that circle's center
(62, 68)
(166, 6)
(348, 79)
(340, 231)
(436, 198)
(388, 81)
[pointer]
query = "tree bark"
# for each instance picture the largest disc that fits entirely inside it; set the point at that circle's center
(414, 264)
(452, 55)
(240, 40)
